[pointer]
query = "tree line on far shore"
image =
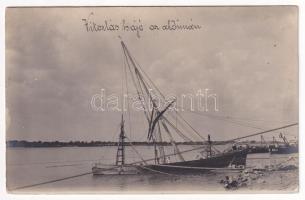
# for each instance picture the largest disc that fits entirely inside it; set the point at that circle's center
(24, 143)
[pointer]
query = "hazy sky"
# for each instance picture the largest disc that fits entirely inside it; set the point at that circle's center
(247, 56)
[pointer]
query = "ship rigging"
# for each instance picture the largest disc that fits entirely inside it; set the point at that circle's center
(161, 123)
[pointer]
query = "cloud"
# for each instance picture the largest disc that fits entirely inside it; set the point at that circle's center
(246, 55)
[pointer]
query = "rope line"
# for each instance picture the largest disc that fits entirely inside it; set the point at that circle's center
(83, 174)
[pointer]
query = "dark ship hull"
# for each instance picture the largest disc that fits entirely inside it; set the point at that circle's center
(223, 160)
(284, 150)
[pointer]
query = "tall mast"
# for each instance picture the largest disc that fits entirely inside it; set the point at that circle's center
(210, 146)
(156, 114)
(262, 140)
(120, 158)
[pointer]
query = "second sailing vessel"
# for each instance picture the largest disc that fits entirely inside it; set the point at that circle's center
(285, 148)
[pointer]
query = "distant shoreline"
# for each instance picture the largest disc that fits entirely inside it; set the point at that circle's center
(41, 144)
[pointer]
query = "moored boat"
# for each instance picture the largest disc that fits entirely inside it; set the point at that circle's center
(114, 170)
(234, 159)
(284, 148)
(159, 123)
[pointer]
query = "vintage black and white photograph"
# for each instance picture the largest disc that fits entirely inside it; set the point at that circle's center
(189, 99)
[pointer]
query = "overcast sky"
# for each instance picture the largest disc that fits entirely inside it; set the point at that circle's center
(247, 56)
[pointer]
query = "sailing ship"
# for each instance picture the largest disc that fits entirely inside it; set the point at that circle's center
(160, 124)
(120, 167)
(285, 148)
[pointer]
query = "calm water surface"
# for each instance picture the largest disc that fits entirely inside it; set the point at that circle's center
(26, 166)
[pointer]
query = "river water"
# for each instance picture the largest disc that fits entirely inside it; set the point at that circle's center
(27, 166)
